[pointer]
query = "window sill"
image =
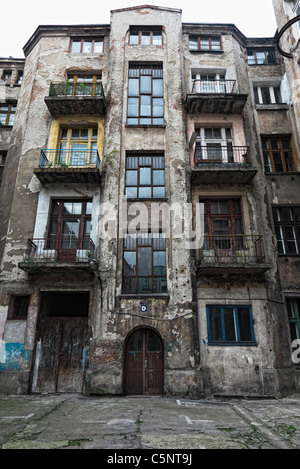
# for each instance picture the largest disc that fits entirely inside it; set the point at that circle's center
(145, 126)
(263, 65)
(283, 173)
(206, 51)
(144, 295)
(148, 199)
(233, 344)
(272, 107)
(287, 255)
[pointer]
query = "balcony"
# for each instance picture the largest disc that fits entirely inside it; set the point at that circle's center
(75, 166)
(217, 164)
(215, 97)
(232, 254)
(57, 254)
(76, 98)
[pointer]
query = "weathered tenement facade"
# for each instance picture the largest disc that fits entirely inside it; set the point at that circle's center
(149, 168)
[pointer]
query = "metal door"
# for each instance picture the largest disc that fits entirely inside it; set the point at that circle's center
(60, 355)
(144, 363)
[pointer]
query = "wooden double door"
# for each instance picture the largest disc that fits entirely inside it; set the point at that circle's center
(60, 355)
(144, 370)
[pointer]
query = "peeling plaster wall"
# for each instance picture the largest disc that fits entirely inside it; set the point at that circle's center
(181, 361)
(191, 366)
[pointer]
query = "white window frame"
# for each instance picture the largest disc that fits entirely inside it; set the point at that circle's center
(202, 86)
(272, 93)
(223, 141)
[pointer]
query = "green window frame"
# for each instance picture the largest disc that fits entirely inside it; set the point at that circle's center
(293, 309)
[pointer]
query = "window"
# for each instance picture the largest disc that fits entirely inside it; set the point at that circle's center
(145, 176)
(287, 229)
(151, 36)
(7, 77)
(222, 217)
(145, 95)
(20, 77)
(20, 307)
(78, 146)
(205, 43)
(278, 154)
(7, 114)
(144, 263)
(84, 85)
(214, 144)
(293, 308)
(2, 164)
(70, 224)
(87, 46)
(261, 56)
(230, 325)
(267, 95)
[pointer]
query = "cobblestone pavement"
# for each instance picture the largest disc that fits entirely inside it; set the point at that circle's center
(153, 423)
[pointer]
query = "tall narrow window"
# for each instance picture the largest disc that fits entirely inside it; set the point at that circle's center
(144, 263)
(145, 95)
(21, 304)
(223, 225)
(69, 229)
(2, 164)
(293, 308)
(145, 176)
(287, 229)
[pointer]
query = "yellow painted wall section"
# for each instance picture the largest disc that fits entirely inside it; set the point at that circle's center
(78, 120)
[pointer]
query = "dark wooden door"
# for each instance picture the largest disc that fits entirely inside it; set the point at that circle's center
(60, 355)
(144, 363)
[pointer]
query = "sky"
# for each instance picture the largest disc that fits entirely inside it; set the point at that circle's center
(20, 18)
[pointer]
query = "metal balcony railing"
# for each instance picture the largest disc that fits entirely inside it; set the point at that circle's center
(232, 249)
(227, 155)
(74, 158)
(76, 89)
(214, 86)
(68, 248)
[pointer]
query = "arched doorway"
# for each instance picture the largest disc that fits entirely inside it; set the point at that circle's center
(144, 360)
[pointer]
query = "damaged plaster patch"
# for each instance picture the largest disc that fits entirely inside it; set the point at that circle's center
(34, 185)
